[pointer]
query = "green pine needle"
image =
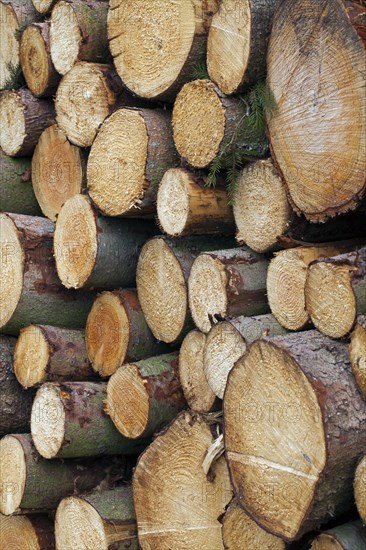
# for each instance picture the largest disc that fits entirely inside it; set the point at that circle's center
(199, 72)
(15, 79)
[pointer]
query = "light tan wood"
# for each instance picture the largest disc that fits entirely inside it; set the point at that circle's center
(360, 488)
(357, 352)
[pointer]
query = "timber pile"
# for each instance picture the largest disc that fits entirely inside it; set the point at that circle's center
(183, 275)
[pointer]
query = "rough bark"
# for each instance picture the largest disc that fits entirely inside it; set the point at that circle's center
(227, 283)
(35, 58)
(46, 353)
(357, 352)
(30, 532)
(311, 85)
(117, 332)
(294, 430)
(23, 118)
(131, 153)
(360, 488)
(69, 421)
(157, 69)
(16, 191)
(29, 483)
(143, 397)
(16, 403)
(335, 292)
(30, 288)
(79, 33)
(58, 170)
(351, 536)
(186, 206)
(92, 251)
(104, 519)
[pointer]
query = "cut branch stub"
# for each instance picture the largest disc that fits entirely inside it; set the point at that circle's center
(360, 488)
(157, 44)
(181, 509)
(16, 190)
(27, 532)
(351, 536)
(295, 426)
(129, 156)
(318, 131)
(357, 352)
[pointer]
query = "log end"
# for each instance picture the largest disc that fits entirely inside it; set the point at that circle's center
(357, 351)
(326, 541)
(360, 489)
(173, 201)
(31, 356)
(12, 121)
(9, 44)
(18, 532)
(43, 6)
(65, 37)
(75, 242)
(48, 420)
(198, 123)
(13, 473)
(34, 60)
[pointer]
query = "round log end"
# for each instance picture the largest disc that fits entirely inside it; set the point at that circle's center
(162, 290)
(326, 541)
(357, 351)
(198, 123)
(13, 473)
(65, 37)
(224, 346)
(12, 121)
(261, 209)
(48, 420)
(107, 334)
(173, 201)
(12, 267)
(151, 43)
(87, 525)
(117, 162)
(128, 402)
(75, 242)
(268, 477)
(17, 532)
(360, 489)
(43, 6)
(31, 356)
(9, 44)
(207, 291)
(34, 60)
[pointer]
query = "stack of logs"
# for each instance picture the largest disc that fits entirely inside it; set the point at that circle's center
(182, 367)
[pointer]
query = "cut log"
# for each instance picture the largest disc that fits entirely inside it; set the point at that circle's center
(129, 156)
(69, 421)
(227, 283)
(162, 276)
(186, 206)
(58, 170)
(78, 33)
(30, 290)
(294, 429)
(16, 403)
(30, 533)
(287, 277)
(325, 178)
(144, 397)
(219, 117)
(237, 43)
(357, 352)
(226, 343)
(50, 353)
(335, 292)
(16, 191)
(35, 58)
(14, 16)
(239, 531)
(197, 392)
(23, 118)
(96, 252)
(181, 508)
(156, 45)
(117, 333)
(43, 6)
(351, 536)
(101, 520)
(360, 488)
(28, 483)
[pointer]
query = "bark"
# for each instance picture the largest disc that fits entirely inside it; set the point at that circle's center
(335, 292)
(46, 353)
(16, 404)
(47, 482)
(129, 157)
(117, 332)
(86, 430)
(144, 397)
(351, 536)
(328, 179)
(35, 295)
(16, 191)
(33, 531)
(35, 58)
(360, 488)
(299, 433)
(23, 119)
(357, 352)
(227, 283)
(107, 518)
